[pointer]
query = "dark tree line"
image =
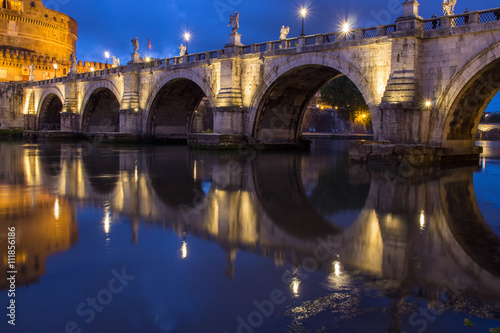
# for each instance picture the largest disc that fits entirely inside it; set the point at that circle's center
(341, 93)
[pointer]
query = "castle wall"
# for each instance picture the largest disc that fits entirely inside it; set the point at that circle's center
(11, 106)
(31, 33)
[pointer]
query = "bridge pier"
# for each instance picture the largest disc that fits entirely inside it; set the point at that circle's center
(131, 121)
(405, 110)
(30, 122)
(70, 122)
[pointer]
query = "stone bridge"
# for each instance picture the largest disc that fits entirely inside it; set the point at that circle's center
(426, 82)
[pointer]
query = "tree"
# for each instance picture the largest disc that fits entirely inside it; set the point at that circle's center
(343, 95)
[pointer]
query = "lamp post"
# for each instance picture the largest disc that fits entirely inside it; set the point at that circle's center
(303, 13)
(187, 36)
(55, 70)
(106, 55)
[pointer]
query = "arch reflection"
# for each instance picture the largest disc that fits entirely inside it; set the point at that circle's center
(421, 231)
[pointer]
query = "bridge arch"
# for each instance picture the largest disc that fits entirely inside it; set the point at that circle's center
(173, 102)
(288, 88)
(49, 108)
(101, 108)
(458, 112)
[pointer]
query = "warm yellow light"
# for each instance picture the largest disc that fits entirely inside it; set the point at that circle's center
(303, 12)
(57, 209)
(336, 266)
(428, 104)
(184, 250)
(107, 219)
(55, 66)
(148, 59)
(106, 54)
(422, 220)
(364, 116)
(92, 69)
(187, 36)
(295, 286)
(346, 28)
(136, 174)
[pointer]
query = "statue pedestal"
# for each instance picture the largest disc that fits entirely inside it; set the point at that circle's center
(136, 57)
(234, 40)
(32, 78)
(73, 70)
(410, 10)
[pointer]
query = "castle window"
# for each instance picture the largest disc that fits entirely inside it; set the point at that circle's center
(16, 5)
(32, 3)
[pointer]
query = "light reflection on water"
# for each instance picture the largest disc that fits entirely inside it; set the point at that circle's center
(210, 235)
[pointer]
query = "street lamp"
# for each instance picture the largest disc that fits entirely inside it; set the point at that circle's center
(346, 28)
(106, 55)
(55, 70)
(303, 13)
(187, 36)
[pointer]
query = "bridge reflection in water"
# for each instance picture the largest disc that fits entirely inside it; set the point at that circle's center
(424, 234)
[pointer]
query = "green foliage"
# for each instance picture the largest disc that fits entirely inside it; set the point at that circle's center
(495, 330)
(342, 93)
(468, 323)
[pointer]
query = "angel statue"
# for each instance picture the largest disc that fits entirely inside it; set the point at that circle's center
(284, 32)
(449, 7)
(135, 44)
(73, 59)
(116, 62)
(234, 22)
(183, 49)
(32, 69)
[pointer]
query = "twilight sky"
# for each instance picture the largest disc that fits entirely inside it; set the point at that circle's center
(109, 25)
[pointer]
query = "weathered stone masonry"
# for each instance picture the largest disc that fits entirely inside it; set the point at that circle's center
(426, 83)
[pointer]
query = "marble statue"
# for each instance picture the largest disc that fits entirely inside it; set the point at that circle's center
(72, 58)
(135, 44)
(234, 22)
(116, 62)
(449, 7)
(32, 69)
(284, 32)
(183, 49)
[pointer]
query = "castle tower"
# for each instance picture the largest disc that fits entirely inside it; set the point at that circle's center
(31, 33)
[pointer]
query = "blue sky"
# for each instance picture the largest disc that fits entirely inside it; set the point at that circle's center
(109, 25)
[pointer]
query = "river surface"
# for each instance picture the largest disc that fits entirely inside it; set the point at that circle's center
(163, 239)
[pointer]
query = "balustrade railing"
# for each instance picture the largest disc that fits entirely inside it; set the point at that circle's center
(435, 23)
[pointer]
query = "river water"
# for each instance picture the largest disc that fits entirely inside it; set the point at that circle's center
(163, 239)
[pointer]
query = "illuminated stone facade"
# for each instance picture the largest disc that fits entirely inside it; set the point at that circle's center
(31, 33)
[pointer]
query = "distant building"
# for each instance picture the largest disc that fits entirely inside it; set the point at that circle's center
(31, 33)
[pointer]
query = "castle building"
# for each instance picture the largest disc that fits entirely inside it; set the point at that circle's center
(31, 33)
